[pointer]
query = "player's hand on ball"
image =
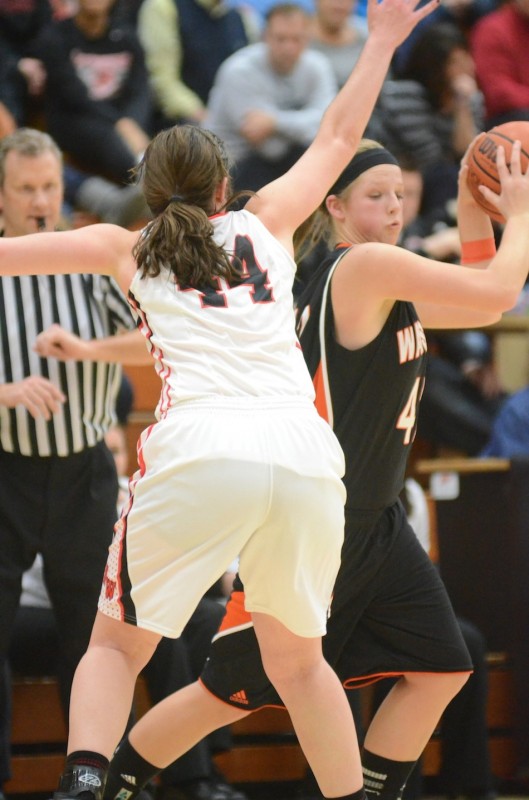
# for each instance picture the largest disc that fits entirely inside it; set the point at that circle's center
(514, 195)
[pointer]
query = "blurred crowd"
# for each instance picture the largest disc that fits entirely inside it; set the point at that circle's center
(102, 77)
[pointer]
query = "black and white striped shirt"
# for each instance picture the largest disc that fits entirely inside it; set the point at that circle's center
(88, 305)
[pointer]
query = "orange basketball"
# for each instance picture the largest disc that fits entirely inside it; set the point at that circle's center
(482, 160)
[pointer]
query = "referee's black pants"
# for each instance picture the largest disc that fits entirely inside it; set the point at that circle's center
(64, 508)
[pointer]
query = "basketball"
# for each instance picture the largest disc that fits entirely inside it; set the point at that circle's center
(482, 160)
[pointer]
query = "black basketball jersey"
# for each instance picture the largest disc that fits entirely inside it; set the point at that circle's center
(370, 396)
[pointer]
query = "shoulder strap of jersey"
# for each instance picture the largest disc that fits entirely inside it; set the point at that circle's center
(310, 314)
(323, 346)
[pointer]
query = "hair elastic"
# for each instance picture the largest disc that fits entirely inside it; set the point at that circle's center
(359, 164)
(176, 198)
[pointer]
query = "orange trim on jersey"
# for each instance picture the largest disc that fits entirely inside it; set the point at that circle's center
(231, 705)
(162, 370)
(211, 694)
(320, 401)
(139, 449)
(114, 588)
(236, 613)
(367, 680)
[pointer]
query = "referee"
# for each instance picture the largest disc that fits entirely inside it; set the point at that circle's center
(58, 483)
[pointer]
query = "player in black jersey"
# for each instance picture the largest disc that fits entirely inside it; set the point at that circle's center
(359, 328)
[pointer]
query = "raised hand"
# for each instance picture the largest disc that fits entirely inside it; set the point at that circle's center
(514, 195)
(395, 19)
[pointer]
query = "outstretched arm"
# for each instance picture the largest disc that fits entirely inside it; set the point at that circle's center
(103, 249)
(285, 203)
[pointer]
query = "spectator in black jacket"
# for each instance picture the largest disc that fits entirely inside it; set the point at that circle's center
(185, 43)
(23, 75)
(98, 103)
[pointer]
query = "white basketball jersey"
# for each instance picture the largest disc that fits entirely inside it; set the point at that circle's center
(235, 340)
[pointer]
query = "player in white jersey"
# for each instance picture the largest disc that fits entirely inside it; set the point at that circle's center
(230, 356)
(236, 419)
(239, 461)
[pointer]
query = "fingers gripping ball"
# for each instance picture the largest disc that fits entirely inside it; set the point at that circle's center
(482, 160)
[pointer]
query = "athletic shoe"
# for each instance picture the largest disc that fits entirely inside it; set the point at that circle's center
(81, 783)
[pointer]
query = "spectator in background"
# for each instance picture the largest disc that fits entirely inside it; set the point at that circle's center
(98, 101)
(8, 99)
(433, 110)
(509, 436)
(90, 193)
(462, 13)
(7, 120)
(500, 49)
(185, 42)
(20, 25)
(463, 393)
(128, 11)
(336, 36)
(268, 98)
(433, 233)
(333, 33)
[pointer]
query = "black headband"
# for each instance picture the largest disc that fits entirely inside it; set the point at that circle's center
(359, 164)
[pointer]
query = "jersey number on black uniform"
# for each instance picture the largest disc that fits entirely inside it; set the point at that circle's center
(407, 420)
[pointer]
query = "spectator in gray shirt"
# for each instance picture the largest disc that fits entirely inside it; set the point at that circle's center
(268, 98)
(336, 34)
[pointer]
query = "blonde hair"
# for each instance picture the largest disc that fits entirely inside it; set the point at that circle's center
(319, 226)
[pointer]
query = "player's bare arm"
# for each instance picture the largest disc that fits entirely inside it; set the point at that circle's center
(343, 124)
